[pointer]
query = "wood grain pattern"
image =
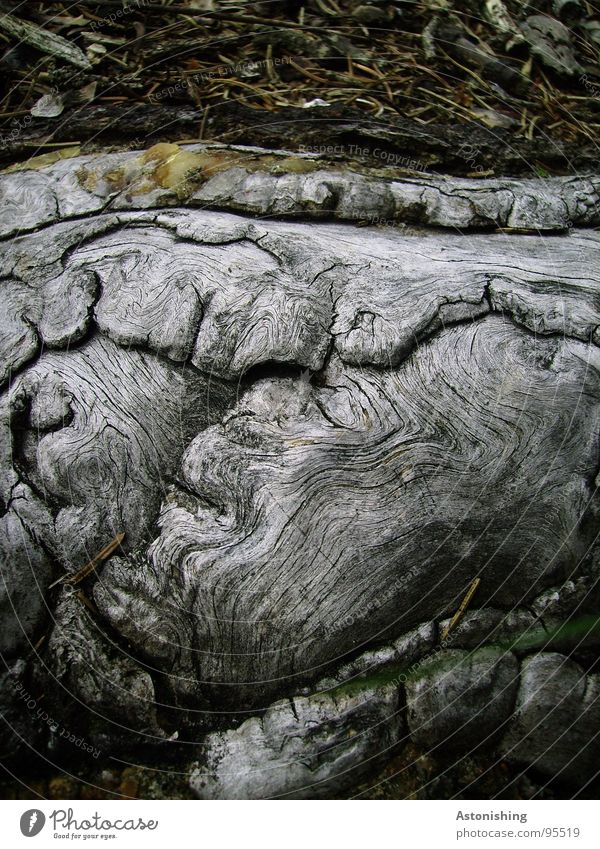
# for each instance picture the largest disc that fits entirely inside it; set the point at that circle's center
(308, 501)
(313, 435)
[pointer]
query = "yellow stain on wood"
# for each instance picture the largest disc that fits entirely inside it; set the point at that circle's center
(88, 179)
(43, 160)
(160, 152)
(169, 166)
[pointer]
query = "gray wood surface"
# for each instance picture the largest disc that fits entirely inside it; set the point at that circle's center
(314, 435)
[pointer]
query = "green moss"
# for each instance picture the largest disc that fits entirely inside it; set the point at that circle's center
(395, 673)
(439, 661)
(581, 629)
(370, 681)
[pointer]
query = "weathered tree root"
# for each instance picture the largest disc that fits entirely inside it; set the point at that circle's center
(313, 436)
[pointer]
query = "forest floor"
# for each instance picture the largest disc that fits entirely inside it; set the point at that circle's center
(475, 87)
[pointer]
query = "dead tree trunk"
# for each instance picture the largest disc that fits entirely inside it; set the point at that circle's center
(314, 435)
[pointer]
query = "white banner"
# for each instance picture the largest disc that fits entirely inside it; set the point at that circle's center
(300, 825)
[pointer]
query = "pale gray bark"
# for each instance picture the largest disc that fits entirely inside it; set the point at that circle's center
(276, 183)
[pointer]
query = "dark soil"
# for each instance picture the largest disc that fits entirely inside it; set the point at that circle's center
(436, 83)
